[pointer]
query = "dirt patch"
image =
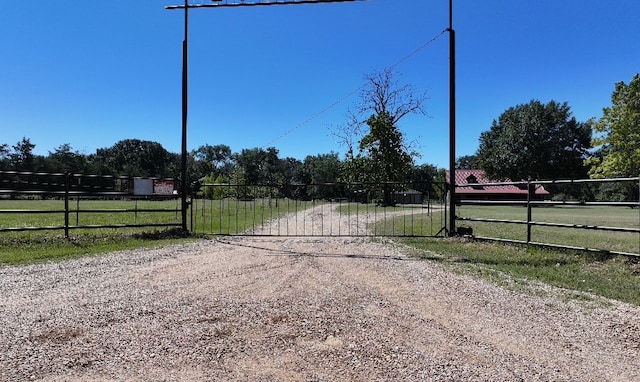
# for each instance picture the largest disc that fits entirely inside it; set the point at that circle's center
(297, 309)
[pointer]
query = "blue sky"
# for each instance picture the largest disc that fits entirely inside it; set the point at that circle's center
(91, 73)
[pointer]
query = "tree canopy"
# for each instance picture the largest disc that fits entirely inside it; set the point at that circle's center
(134, 157)
(618, 134)
(376, 147)
(535, 141)
(467, 162)
(387, 160)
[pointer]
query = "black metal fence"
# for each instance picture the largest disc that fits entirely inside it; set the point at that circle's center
(48, 202)
(321, 209)
(589, 215)
(599, 215)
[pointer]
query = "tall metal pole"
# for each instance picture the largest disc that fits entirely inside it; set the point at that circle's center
(184, 188)
(185, 80)
(452, 123)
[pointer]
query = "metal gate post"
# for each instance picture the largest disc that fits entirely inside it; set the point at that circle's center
(67, 185)
(530, 191)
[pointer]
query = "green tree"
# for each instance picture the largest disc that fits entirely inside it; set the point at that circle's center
(317, 171)
(212, 160)
(217, 191)
(423, 179)
(387, 159)
(535, 141)
(618, 134)
(64, 159)
(4, 156)
(134, 157)
(467, 162)
(382, 154)
(321, 168)
(260, 165)
(22, 158)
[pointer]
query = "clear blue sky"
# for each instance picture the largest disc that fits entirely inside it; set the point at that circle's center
(91, 73)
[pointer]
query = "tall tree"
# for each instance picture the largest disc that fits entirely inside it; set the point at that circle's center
(382, 154)
(134, 157)
(387, 160)
(259, 165)
(319, 170)
(212, 160)
(467, 162)
(423, 179)
(619, 134)
(22, 158)
(535, 141)
(4, 156)
(65, 159)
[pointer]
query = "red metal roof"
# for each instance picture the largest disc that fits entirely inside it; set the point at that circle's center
(464, 177)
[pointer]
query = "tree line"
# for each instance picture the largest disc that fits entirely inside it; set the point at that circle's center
(526, 142)
(206, 164)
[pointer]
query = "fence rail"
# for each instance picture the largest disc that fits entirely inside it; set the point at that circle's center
(31, 194)
(618, 218)
(604, 218)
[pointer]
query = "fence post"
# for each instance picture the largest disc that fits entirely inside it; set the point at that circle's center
(67, 185)
(530, 192)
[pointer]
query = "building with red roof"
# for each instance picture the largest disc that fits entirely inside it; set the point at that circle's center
(474, 185)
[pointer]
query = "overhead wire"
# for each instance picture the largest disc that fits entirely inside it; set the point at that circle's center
(339, 101)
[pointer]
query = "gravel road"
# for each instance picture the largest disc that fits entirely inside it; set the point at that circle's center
(299, 309)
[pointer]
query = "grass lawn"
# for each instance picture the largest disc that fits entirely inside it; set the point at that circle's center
(118, 212)
(623, 217)
(35, 246)
(221, 216)
(614, 277)
(400, 220)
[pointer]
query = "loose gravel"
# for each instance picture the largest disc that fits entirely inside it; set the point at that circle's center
(298, 309)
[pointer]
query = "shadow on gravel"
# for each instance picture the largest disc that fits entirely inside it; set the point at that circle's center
(290, 252)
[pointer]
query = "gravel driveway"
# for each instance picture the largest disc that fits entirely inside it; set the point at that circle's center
(298, 309)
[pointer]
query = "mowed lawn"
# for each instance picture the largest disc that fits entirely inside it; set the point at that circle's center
(427, 224)
(601, 216)
(229, 217)
(86, 212)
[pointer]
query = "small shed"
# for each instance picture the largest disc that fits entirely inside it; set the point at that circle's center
(408, 197)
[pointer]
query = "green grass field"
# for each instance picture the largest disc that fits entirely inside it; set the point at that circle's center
(623, 217)
(401, 220)
(121, 212)
(629, 242)
(205, 217)
(517, 267)
(23, 247)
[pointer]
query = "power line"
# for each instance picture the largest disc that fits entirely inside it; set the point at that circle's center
(336, 103)
(243, 3)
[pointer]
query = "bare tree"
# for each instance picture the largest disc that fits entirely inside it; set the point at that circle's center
(377, 151)
(384, 95)
(376, 148)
